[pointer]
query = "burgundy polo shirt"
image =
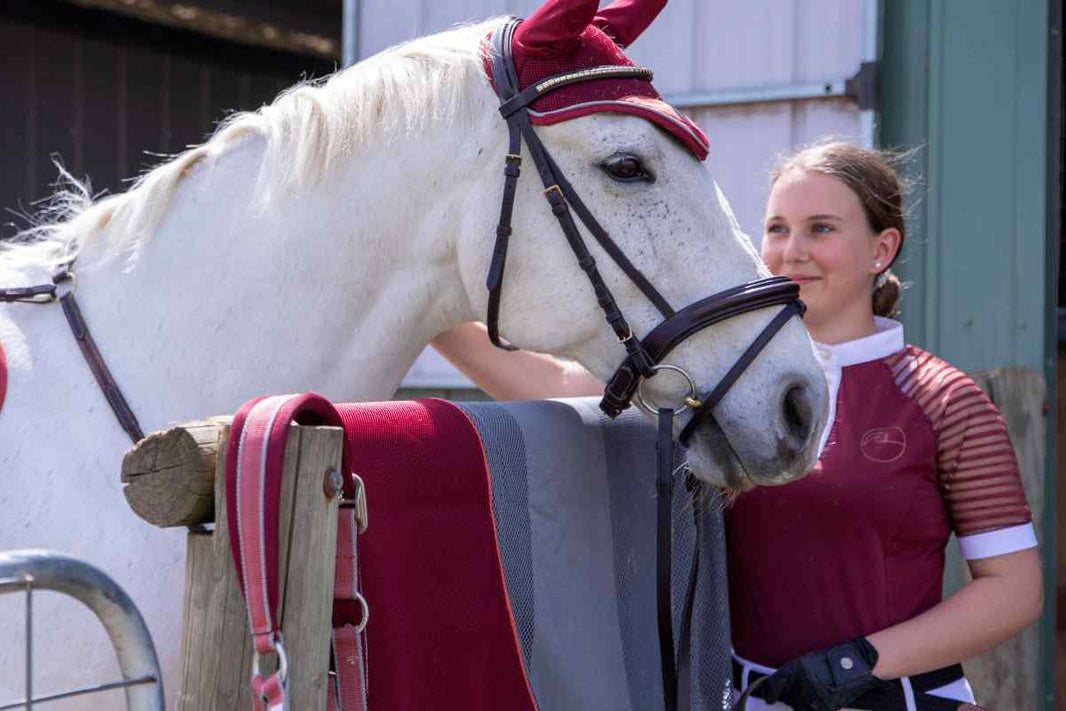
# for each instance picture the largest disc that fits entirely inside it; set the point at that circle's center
(915, 452)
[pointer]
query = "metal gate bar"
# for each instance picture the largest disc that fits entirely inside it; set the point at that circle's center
(34, 569)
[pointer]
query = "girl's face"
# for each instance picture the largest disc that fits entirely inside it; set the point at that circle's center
(817, 234)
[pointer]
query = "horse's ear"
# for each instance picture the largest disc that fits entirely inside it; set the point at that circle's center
(624, 20)
(553, 30)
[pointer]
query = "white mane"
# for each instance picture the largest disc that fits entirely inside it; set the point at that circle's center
(308, 130)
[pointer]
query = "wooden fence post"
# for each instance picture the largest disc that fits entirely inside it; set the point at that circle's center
(216, 648)
(1006, 677)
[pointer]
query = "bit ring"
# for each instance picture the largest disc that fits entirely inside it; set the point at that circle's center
(691, 400)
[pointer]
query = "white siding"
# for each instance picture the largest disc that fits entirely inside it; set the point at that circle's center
(697, 46)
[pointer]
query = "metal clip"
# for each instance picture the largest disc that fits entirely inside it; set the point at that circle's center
(358, 503)
(283, 660)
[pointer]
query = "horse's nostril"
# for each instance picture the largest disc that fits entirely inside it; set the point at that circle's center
(797, 413)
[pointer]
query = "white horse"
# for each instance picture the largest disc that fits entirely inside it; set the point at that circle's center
(319, 244)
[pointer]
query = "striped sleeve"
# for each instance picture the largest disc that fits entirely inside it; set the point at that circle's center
(976, 466)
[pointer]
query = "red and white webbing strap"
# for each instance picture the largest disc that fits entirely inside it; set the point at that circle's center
(348, 689)
(254, 464)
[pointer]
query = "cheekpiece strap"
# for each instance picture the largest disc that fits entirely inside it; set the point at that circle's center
(559, 194)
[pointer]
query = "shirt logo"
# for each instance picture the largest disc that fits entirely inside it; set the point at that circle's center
(883, 444)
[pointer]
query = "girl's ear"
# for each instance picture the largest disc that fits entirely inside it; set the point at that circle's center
(886, 246)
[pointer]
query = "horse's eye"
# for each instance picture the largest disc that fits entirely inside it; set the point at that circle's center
(626, 168)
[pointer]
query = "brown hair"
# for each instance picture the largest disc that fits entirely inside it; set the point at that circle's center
(871, 176)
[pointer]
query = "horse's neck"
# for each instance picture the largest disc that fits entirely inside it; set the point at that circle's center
(336, 289)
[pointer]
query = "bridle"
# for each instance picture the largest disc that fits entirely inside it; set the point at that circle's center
(644, 357)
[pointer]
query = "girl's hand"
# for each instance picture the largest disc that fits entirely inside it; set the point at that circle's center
(825, 680)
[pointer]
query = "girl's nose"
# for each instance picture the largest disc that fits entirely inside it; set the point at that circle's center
(795, 248)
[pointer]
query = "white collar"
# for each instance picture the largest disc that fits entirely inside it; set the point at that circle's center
(886, 340)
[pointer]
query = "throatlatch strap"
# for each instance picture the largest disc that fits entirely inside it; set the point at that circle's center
(514, 105)
(494, 282)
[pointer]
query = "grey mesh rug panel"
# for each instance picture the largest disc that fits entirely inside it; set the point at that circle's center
(505, 451)
(574, 503)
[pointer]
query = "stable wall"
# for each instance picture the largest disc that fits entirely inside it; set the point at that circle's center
(968, 83)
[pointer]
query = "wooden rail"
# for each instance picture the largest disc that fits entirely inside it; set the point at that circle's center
(176, 478)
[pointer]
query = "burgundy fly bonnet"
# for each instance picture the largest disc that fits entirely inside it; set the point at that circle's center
(570, 35)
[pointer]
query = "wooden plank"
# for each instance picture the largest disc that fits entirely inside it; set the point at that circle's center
(306, 612)
(1006, 676)
(216, 648)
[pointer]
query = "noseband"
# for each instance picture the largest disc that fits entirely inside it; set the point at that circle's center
(644, 356)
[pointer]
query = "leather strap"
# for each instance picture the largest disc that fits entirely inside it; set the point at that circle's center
(527, 96)
(701, 413)
(690, 320)
(664, 487)
(559, 193)
(96, 363)
(39, 294)
(46, 294)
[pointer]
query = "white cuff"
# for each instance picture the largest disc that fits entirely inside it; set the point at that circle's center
(1001, 542)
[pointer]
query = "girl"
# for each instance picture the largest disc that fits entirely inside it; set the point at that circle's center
(835, 579)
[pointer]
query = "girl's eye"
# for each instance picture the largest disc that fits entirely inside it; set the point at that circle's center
(626, 168)
(821, 228)
(775, 229)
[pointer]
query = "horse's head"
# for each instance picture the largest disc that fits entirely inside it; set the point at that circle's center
(639, 169)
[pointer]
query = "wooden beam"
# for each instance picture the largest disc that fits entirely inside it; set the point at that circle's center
(170, 475)
(261, 27)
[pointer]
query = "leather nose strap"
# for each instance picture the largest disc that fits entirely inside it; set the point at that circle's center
(702, 412)
(764, 293)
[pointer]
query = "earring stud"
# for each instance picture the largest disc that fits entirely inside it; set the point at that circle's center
(877, 264)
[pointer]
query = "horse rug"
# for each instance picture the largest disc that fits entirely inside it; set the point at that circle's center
(510, 559)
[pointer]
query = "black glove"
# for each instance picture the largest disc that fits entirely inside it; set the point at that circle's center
(826, 680)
